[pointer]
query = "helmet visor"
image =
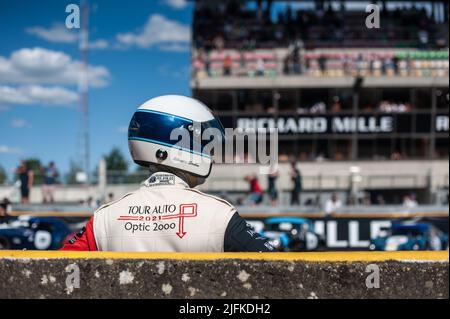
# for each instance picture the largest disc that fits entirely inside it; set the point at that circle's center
(200, 138)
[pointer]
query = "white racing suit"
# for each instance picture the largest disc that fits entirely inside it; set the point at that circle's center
(166, 215)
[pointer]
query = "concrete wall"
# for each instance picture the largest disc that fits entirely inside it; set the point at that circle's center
(325, 176)
(299, 81)
(336, 175)
(277, 275)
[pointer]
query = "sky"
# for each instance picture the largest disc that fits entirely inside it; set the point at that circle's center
(138, 50)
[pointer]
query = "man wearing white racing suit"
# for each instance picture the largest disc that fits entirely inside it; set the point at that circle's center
(166, 214)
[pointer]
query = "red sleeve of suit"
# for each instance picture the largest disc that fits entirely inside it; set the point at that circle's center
(83, 240)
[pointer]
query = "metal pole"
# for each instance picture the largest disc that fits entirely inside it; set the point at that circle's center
(354, 154)
(432, 142)
(83, 87)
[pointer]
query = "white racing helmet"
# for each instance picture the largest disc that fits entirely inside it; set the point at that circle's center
(156, 130)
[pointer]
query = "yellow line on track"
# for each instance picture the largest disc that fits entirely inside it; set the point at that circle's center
(439, 256)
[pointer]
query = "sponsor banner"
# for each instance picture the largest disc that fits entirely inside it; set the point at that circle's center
(342, 124)
(343, 233)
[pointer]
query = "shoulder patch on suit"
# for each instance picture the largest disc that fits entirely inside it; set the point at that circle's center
(212, 196)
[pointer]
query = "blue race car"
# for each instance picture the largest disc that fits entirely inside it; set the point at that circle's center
(411, 236)
(292, 234)
(34, 233)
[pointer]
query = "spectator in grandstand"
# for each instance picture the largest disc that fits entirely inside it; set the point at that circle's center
(336, 107)
(260, 67)
(110, 197)
(319, 157)
(360, 63)
(319, 107)
(396, 64)
(322, 64)
(391, 107)
(272, 188)
(380, 200)
(313, 201)
(347, 65)
(204, 60)
(51, 175)
(396, 156)
(219, 43)
(296, 179)
(287, 64)
(372, 66)
(409, 201)
(296, 57)
(227, 65)
(423, 38)
(242, 63)
(26, 177)
(256, 193)
(366, 199)
(90, 202)
(384, 66)
(332, 205)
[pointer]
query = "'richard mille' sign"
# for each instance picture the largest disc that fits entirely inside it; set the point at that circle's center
(343, 124)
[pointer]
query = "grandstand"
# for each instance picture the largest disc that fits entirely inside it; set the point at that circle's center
(363, 112)
(341, 95)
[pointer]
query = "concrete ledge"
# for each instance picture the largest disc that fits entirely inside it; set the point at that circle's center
(36, 274)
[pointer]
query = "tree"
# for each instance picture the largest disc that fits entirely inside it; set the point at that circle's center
(138, 175)
(71, 176)
(3, 176)
(116, 166)
(35, 165)
(115, 161)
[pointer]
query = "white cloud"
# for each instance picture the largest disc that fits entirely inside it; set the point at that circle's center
(169, 71)
(174, 47)
(19, 123)
(9, 150)
(177, 4)
(56, 33)
(98, 44)
(158, 31)
(43, 66)
(35, 94)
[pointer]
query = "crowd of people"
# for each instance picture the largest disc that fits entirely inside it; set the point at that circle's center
(332, 64)
(256, 192)
(258, 196)
(26, 177)
(305, 32)
(384, 106)
(235, 24)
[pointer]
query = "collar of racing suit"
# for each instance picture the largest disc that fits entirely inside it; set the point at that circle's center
(164, 179)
